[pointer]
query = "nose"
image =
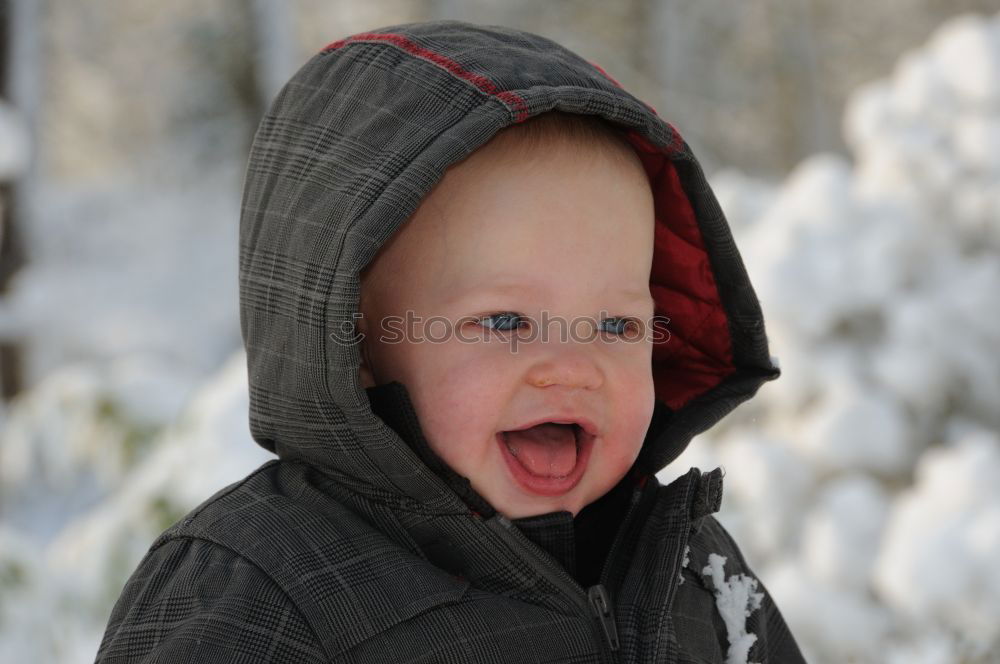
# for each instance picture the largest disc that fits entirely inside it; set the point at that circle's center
(566, 367)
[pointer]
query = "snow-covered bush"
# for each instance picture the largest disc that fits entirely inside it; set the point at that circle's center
(939, 561)
(864, 484)
(57, 587)
(70, 441)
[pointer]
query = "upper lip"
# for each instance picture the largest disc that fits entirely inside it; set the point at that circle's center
(586, 424)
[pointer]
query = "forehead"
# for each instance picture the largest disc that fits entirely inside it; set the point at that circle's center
(553, 182)
(546, 218)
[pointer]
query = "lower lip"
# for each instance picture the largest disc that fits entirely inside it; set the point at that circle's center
(548, 486)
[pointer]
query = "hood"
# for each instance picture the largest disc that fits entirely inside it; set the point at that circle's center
(347, 150)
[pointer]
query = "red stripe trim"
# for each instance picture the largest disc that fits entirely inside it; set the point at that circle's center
(604, 73)
(519, 106)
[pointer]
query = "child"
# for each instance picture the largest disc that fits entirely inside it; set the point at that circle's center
(460, 246)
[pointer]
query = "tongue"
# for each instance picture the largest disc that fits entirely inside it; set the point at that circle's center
(548, 450)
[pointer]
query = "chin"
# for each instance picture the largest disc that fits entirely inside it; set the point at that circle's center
(573, 506)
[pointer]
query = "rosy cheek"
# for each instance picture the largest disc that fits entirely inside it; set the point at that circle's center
(459, 396)
(636, 404)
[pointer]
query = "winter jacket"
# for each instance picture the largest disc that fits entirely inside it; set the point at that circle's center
(358, 544)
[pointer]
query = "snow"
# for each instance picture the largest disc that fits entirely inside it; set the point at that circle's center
(965, 52)
(830, 622)
(854, 427)
(943, 538)
(842, 533)
(977, 141)
(178, 243)
(768, 482)
(736, 598)
(68, 571)
(14, 143)
(684, 563)
(79, 433)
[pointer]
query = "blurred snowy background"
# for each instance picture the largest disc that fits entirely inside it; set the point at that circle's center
(855, 147)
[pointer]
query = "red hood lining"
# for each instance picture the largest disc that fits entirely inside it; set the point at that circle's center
(697, 354)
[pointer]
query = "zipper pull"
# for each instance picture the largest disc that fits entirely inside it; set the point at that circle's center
(600, 602)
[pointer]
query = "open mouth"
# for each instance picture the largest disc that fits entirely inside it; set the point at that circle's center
(547, 458)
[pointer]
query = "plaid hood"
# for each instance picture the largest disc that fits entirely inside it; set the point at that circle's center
(350, 146)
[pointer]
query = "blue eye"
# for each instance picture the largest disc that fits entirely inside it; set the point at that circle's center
(620, 326)
(504, 321)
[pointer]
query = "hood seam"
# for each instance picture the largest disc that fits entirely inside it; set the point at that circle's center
(514, 103)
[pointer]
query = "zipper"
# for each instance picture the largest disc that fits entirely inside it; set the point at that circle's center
(601, 603)
(585, 600)
(600, 600)
(595, 600)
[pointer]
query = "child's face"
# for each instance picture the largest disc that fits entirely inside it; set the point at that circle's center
(567, 235)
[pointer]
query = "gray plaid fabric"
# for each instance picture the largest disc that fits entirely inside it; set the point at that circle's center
(349, 547)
